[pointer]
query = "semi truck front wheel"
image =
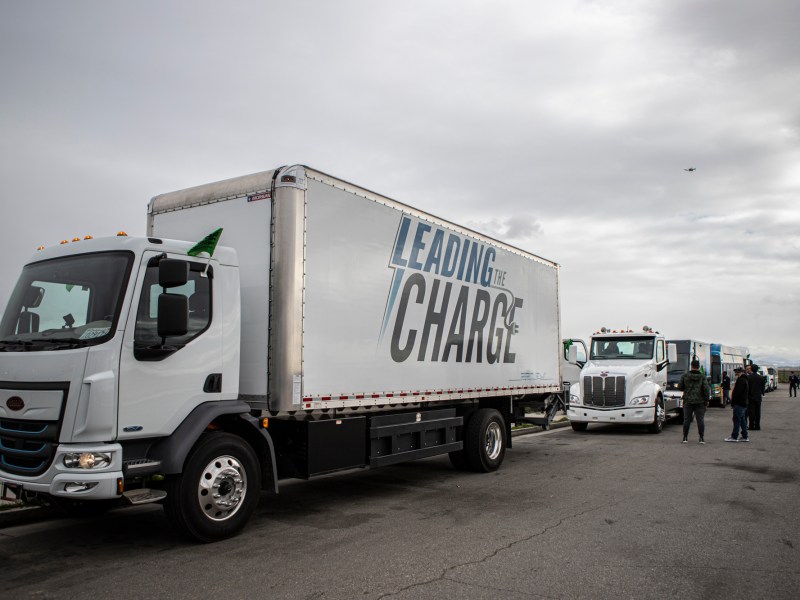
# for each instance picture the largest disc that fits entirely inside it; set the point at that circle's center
(218, 490)
(659, 416)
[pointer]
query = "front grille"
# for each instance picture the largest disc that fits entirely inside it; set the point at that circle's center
(27, 447)
(604, 391)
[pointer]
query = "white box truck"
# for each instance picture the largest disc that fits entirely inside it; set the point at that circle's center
(332, 328)
(624, 381)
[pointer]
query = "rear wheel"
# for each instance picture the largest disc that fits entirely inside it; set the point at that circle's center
(218, 490)
(485, 441)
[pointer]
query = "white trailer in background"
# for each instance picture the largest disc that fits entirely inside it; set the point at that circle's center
(333, 328)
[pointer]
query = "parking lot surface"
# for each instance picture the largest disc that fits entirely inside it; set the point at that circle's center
(609, 513)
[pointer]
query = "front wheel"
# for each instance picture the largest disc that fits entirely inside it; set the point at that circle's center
(485, 441)
(218, 490)
(658, 417)
(576, 426)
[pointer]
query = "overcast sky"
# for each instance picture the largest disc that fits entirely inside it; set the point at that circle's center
(564, 128)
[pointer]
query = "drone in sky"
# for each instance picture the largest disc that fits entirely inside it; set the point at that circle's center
(691, 169)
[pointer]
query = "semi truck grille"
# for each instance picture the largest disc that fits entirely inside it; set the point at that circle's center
(604, 391)
(27, 447)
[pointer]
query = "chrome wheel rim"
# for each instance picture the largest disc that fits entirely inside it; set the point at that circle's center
(222, 488)
(494, 440)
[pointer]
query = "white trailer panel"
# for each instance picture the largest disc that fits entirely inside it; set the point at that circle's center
(397, 303)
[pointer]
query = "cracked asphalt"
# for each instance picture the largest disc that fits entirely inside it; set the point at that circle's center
(609, 513)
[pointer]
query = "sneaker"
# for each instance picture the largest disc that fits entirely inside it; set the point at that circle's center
(747, 439)
(701, 441)
(685, 441)
(731, 439)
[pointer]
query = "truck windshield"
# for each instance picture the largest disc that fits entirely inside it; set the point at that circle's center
(636, 348)
(66, 302)
(676, 370)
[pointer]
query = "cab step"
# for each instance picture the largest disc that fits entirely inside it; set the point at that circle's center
(144, 496)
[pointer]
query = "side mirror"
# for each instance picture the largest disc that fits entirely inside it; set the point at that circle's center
(573, 354)
(672, 353)
(173, 314)
(172, 273)
(33, 297)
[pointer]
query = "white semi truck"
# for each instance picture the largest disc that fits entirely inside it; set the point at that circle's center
(332, 328)
(624, 381)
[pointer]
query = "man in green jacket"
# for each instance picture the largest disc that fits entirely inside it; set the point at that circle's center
(696, 393)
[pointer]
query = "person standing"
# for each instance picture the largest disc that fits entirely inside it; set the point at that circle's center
(739, 406)
(793, 381)
(755, 387)
(726, 389)
(696, 393)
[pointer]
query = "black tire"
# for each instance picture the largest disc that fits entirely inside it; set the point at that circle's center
(576, 426)
(679, 418)
(485, 440)
(659, 416)
(83, 509)
(228, 464)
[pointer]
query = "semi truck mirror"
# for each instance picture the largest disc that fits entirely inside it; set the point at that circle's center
(33, 297)
(573, 354)
(173, 315)
(672, 353)
(172, 273)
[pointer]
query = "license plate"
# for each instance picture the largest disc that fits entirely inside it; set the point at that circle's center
(10, 491)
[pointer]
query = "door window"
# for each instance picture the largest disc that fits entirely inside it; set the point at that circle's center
(198, 292)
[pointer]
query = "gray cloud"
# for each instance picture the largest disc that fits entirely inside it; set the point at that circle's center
(563, 128)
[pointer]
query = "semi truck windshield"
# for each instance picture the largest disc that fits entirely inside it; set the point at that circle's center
(622, 348)
(66, 302)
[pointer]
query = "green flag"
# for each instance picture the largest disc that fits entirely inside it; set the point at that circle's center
(208, 244)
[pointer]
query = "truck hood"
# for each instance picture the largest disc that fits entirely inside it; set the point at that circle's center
(72, 391)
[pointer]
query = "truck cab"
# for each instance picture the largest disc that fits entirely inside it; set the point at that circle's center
(623, 381)
(86, 408)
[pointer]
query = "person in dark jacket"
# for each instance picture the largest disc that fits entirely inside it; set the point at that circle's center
(755, 386)
(793, 381)
(726, 389)
(739, 405)
(696, 394)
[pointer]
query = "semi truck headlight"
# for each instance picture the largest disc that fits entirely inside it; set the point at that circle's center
(573, 399)
(87, 460)
(640, 400)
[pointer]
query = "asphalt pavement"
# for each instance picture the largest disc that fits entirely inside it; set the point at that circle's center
(609, 513)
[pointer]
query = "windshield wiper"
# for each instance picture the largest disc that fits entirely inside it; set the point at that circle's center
(72, 341)
(9, 344)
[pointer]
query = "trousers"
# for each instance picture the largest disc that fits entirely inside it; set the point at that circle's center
(689, 412)
(739, 421)
(754, 414)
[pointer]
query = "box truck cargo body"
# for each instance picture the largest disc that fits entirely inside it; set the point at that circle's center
(375, 299)
(332, 328)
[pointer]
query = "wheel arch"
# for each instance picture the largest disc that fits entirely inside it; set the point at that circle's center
(231, 416)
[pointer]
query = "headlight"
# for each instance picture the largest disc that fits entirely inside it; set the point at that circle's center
(640, 400)
(87, 460)
(573, 399)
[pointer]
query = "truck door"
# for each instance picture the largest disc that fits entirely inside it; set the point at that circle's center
(570, 372)
(162, 380)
